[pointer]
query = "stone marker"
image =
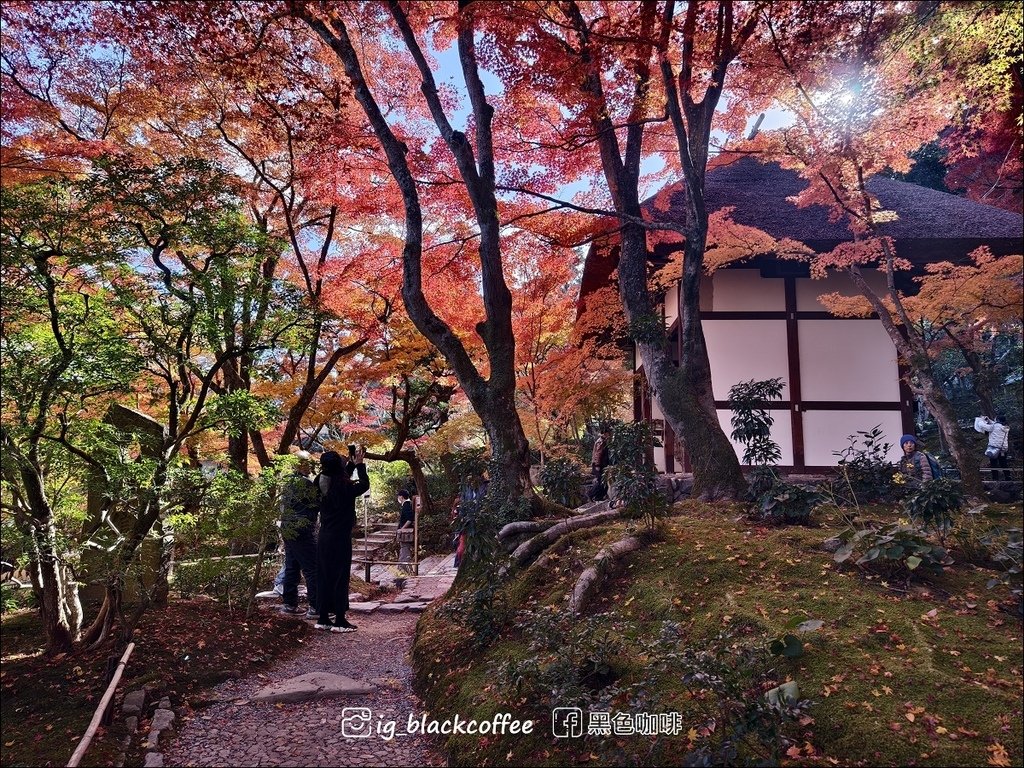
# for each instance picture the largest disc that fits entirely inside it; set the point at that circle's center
(313, 685)
(134, 702)
(162, 719)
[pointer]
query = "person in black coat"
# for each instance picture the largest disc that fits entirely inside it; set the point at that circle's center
(338, 494)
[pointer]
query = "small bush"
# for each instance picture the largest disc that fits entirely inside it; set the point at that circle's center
(1007, 548)
(896, 549)
(572, 662)
(633, 477)
(732, 677)
(780, 503)
(13, 598)
(752, 422)
(562, 479)
(865, 473)
(227, 580)
(934, 503)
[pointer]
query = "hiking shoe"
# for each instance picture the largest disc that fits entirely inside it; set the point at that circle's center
(312, 613)
(321, 625)
(279, 589)
(343, 625)
(289, 609)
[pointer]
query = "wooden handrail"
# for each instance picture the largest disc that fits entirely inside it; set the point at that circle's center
(97, 717)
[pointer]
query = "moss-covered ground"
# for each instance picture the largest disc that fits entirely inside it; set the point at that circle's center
(925, 672)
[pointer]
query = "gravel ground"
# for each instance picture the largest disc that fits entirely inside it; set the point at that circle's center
(236, 732)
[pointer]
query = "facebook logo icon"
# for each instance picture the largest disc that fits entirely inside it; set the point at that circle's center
(567, 722)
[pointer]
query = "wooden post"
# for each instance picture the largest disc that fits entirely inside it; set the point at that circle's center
(105, 702)
(416, 542)
(108, 714)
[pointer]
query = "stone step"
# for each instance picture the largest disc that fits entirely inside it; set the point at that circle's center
(359, 545)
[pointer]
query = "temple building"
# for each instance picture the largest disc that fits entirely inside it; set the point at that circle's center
(762, 318)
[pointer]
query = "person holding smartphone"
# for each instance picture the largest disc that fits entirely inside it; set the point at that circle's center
(338, 494)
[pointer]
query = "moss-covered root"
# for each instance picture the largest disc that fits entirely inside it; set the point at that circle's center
(511, 533)
(532, 547)
(604, 563)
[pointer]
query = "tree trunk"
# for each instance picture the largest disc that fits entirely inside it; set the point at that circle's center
(61, 633)
(416, 468)
(510, 452)
(684, 394)
(161, 586)
(966, 459)
(60, 636)
(238, 452)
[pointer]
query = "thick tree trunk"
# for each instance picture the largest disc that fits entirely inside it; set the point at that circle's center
(510, 450)
(911, 350)
(238, 452)
(60, 625)
(684, 394)
(966, 459)
(60, 635)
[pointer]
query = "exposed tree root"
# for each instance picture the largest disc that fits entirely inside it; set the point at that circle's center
(604, 563)
(508, 535)
(532, 547)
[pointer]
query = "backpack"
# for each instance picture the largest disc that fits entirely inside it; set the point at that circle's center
(936, 469)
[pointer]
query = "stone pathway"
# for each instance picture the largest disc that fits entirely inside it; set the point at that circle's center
(240, 731)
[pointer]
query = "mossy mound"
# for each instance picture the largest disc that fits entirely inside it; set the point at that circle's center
(920, 673)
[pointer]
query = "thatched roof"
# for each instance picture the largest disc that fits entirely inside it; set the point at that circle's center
(931, 225)
(759, 192)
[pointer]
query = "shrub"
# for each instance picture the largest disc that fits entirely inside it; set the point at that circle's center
(633, 477)
(1007, 548)
(896, 548)
(781, 503)
(731, 676)
(12, 598)
(865, 473)
(933, 504)
(227, 580)
(571, 661)
(752, 422)
(562, 479)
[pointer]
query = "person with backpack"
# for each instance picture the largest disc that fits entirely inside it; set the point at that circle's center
(917, 466)
(998, 443)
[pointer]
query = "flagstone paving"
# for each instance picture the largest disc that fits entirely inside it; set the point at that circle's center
(240, 731)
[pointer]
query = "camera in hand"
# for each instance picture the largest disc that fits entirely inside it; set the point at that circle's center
(352, 451)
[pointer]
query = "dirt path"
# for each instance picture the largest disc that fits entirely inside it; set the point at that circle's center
(235, 731)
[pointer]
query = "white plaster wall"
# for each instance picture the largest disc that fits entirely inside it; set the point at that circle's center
(744, 290)
(782, 433)
(847, 360)
(826, 431)
(659, 451)
(671, 305)
(808, 291)
(741, 350)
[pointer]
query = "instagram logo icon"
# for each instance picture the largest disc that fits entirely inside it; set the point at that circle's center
(355, 722)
